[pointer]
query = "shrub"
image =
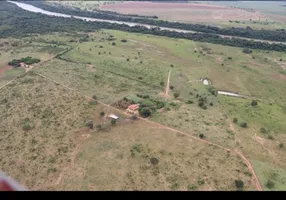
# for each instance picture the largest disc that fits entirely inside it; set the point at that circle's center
(89, 124)
(26, 126)
(113, 121)
(123, 40)
(189, 102)
(270, 184)
(141, 62)
(127, 59)
(229, 58)
(247, 51)
(171, 65)
(234, 120)
(201, 104)
(176, 94)
(102, 114)
(253, 57)
(239, 184)
(243, 125)
(254, 103)
(201, 136)
(113, 43)
(270, 137)
(134, 117)
(94, 97)
(280, 59)
(204, 107)
(154, 161)
(99, 126)
(211, 104)
(145, 112)
(192, 187)
(100, 46)
(281, 145)
(171, 87)
(262, 130)
(190, 93)
(161, 83)
(140, 78)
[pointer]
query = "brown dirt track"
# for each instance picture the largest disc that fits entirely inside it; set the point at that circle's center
(181, 11)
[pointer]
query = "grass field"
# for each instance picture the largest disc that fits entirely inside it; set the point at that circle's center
(54, 151)
(114, 64)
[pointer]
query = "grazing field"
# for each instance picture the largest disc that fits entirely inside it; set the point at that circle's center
(47, 121)
(44, 134)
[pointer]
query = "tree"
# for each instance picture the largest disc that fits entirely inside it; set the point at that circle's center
(211, 104)
(280, 59)
(189, 102)
(254, 103)
(201, 136)
(270, 184)
(171, 65)
(239, 184)
(161, 83)
(243, 125)
(262, 130)
(176, 94)
(26, 126)
(94, 97)
(229, 58)
(89, 124)
(113, 43)
(270, 137)
(123, 40)
(134, 117)
(113, 121)
(281, 145)
(145, 112)
(127, 59)
(171, 87)
(102, 114)
(234, 120)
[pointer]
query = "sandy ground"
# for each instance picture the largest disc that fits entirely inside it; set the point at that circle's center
(182, 11)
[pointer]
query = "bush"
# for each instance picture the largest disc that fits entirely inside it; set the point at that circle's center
(154, 161)
(161, 83)
(192, 187)
(141, 62)
(171, 65)
(134, 117)
(123, 40)
(100, 46)
(189, 102)
(270, 184)
(145, 112)
(102, 114)
(211, 104)
(94, 97)
(254, 103)
(201, 136)
(140, 78)
(243, 125)
(127, 59)
(201, 104)
(262, 130)
(270, 137)
(280, 60)
(239, 184)
(26, 126)
(204, 107)
(89, 124)
(190, 93)
(229, 58)
(171, 87)
(234, 120)
(113, 121)
(281, 145)
(113, 43)
(247, 51)
(99, 126)
(176, 94)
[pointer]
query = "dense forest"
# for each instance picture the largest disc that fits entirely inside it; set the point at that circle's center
(273, 35)
(16, 22)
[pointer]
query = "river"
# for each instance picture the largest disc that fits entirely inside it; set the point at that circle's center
(31, 8)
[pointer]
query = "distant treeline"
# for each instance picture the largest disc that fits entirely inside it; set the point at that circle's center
(17, 22)
(273, 35)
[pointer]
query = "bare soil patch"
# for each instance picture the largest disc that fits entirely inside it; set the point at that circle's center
(181, 11)
(4, 69)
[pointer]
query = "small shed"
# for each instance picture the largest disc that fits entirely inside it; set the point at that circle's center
(113, 116)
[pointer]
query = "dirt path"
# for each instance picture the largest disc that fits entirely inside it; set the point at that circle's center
(168, 85)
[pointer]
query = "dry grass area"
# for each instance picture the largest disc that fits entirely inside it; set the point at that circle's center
(187, 12)
(44, 135)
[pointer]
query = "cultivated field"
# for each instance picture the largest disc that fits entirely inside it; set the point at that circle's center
(57, 151)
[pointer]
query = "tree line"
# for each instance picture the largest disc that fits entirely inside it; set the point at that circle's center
(273, 35)
(19, 23)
